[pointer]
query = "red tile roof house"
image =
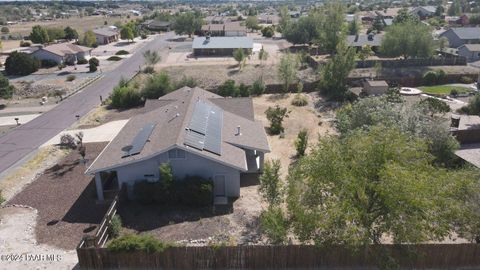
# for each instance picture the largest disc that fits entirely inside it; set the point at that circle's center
(62, 53)
(198, 132)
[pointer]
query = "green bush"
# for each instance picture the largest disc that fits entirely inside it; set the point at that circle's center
(94, 61)
(157, 86)
(466, 80)
(274, 225)
(276, 115)
(268, 32)
(130, 243)
(441, 76)
(473, 106)
(92, 67)
(454, 92)
(71, 78)
(114, 58)
(258, 87)
(299, 100)
(122, 52)
(22, 64)
(243, 90)
(228, 89)
(430, 78)
(149, 70)
(6, 89)
(125, 98)
(196, 191)
(301, 142)
(24, 43)
(186, 81)
(115, 226)
(82, 61)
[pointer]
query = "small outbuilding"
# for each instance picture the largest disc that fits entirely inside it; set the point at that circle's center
(221, 46)
(375, 87)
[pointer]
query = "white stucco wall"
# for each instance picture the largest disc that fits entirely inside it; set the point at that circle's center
(192, 165)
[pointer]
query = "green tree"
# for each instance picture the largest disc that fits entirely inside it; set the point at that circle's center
(404, 16)
(187, 23)
(270, 182)
(355, 190)
(19, 63)
(70, 33)
(5, 30)
(301, 142)
(166, 175)
(127, 33)
(157, 86)
(439, 10)
(228, 89)
(434, 106)
(125, 97)
(252, 23)
(263, 55)
(39, 35)
(333, 76)
(365, 52)
(6, 90)
(455, 8)
(55, 33)
(353, 27)
(268, 32)
(240, 56)
(408, 39)
(287, 70)
(333, 27)
(89, 39)
(473, 106)
(258, 87)
(442, 43)
(274, 225)
(285, 19)
(275, 116)
(378, 24)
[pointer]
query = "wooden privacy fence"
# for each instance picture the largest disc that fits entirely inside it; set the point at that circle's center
(101, 235)
(432, 256)
(397, 63)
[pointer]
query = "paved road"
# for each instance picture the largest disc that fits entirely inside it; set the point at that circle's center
(19, 143)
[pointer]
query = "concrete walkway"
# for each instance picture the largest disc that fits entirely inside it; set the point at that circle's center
(22, 119)
(103, 133)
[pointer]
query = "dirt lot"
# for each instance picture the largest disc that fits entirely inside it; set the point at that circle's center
(65, 200)
(80, 24)
(210, 76)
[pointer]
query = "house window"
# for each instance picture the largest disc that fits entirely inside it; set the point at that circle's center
(176, 154)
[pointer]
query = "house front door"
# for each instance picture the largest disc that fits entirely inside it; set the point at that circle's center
(219, 186)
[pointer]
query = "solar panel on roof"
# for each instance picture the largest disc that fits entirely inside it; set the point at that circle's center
(140, 139)
(213, 135)
(199, 119)
(194, 139)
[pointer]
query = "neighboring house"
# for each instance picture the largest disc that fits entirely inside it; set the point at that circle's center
(457, 20)
(462, 35)
(358, 41)
(470, 51)
(197, 132)
(268, 19)
(229, 29)
(466, 129)
(60, 53)
(106, 35)
(154, 25)
(423, 12)
(217, 19)
(375, 87)
(220, 46)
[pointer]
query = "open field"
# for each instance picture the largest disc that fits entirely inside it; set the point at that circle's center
(444, 89)
(80, 24)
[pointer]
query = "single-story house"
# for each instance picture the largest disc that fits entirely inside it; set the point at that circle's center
(197, 132)
(459, 36)
(457, 20)
(155, 25)
(60, 53)
(423, 12)
(106, 35)
(470, 51)
(268, 19)
(229, 29)
(220, 46)
(358, 41)
(375, 87)
(466, 129)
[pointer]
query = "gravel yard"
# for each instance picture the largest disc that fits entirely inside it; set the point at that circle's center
(65, 200)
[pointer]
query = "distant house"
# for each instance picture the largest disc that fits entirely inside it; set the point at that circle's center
(375, 87)
(358, 41)
(466, 129)
(268, 19)
(106, 35)
(155, 25)
(470, 51)
(220, 46)
(60, 53)
(462, 35)
(197, 132)
(457, 20)
(229, 29)
(423, 12)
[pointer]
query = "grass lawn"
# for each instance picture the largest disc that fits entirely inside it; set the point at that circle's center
(443, 89)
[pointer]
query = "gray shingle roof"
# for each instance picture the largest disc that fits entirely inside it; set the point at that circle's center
(105, 32)
(362, 40)
(63, 49)
(467, 32)
(171, 119)
(222, 43)
(472, 47)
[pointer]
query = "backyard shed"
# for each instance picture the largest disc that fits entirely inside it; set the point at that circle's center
(375, 87)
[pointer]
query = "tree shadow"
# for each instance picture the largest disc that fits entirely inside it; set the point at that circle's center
(59, 170)
(277, 97)
(233, 72)
(249, 179)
